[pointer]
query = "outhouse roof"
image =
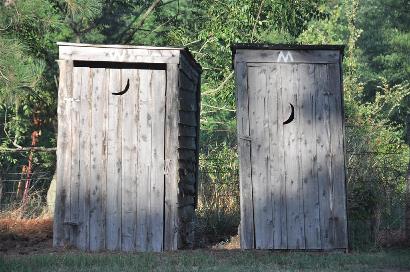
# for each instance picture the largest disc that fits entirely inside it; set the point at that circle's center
(268, 46)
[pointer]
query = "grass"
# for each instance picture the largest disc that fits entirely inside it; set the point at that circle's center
(206, 260)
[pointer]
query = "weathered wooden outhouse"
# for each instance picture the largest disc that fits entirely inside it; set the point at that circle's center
(127, 148)
(291, 146)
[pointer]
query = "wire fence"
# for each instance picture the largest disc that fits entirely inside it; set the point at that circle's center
(375, 184)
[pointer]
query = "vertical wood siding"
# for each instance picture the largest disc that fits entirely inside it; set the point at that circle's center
(292, 175)
(127, 165)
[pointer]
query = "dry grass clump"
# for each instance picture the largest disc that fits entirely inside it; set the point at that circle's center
(20, 232)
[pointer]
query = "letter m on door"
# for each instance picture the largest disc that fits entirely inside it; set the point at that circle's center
(284, 57)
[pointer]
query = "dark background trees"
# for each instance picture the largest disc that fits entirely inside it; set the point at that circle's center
(376, 71)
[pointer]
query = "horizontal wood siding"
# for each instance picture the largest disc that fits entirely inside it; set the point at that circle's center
(188, 148)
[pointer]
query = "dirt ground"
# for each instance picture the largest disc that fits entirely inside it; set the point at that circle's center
(25, 236)
(35, 236)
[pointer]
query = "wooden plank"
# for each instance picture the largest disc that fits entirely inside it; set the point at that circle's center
(120, 46)
(74, 118)
(290, 144)
(187, 131)
(98, 159)
(258, 120)
(324, 171)
(187, 142)
(188, 104)
(190, 70)
(143, 233)
(171, 163)
(287, 56)
(129, 155)
(186, 177)
(276, 157)
(133, 55)
(187, 155)
(198, 131)
(187, 118)
(114, 161)
(85, 158)
(62, 207)
(157, 107)
(187, 95)
(244, 150)
(309, 159)
(338, 164)
(186, 83)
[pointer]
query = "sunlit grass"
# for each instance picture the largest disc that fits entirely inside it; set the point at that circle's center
(201, 260)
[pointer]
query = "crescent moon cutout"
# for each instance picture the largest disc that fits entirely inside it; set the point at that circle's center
(292, 115)
(125, 89)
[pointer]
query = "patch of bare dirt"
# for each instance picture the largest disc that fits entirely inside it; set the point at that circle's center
(232, 243)
(25, 236)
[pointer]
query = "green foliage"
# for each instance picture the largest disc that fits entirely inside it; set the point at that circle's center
(376, 78)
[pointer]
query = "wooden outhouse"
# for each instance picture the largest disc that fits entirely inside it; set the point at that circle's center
(291, 146)
(127, 148)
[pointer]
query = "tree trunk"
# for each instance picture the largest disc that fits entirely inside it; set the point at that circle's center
(407, 212)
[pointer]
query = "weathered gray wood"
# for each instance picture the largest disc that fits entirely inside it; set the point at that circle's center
(287, 56)
(186, 83)
(186, 104)
(85, 157)
(338, 164)
(244, 149)
(98, 159)
(192, 71)
(186, 95)
(114, 161)
(187, 155)
(187, 131)
(309, 157)
(187, 118)
(131, 55)
(198, 131)
(74, 118)
(157, 109)
(62, 207)
(143, 234)
(171, 163)
(119, 46)
(276, 156)
(130, 157)
(187, 142)
(185, 177)
(118, 173)
(324, 174)
(258, 117)
(291, 144)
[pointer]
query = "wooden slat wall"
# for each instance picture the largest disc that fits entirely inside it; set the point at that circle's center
(98, 159)
(84, 125)
(114, 163)
(111, 159)
(62, 205)
(157, 190)
(244, 148)
(127, 165)
(171, 164)
(188, 148)
(259, 133)
(298, 191)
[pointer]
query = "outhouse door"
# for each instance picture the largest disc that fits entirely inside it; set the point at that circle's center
(117, 156)
(291, 150)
